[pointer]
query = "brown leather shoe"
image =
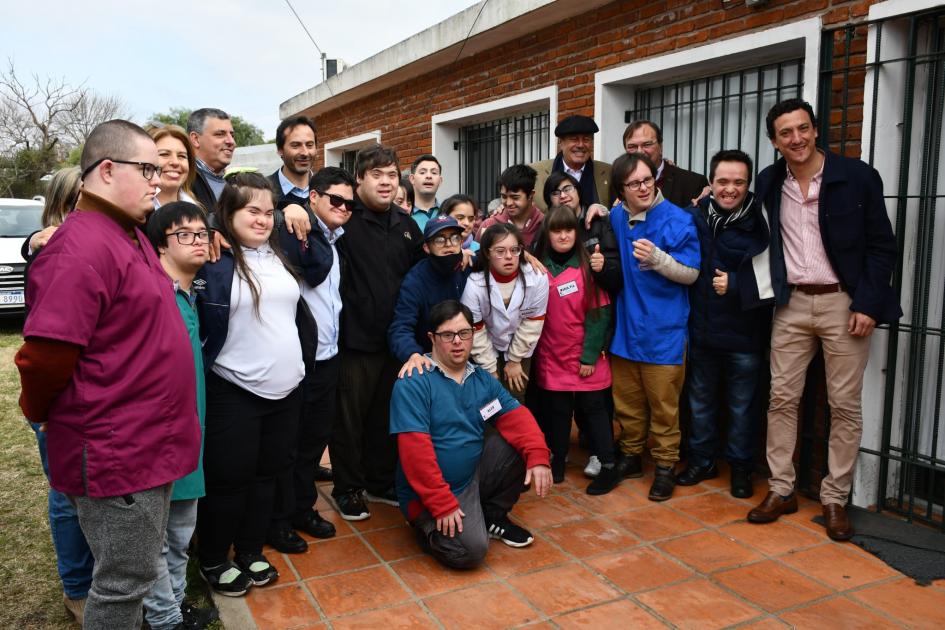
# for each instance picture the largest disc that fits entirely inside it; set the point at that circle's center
(836, 521)
(772, 507)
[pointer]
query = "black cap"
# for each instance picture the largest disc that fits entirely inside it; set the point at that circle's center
(574, 125)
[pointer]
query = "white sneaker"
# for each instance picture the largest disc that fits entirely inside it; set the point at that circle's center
(593, 467)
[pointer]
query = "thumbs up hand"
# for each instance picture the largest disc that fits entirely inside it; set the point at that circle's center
(597, 259)
(720, 282)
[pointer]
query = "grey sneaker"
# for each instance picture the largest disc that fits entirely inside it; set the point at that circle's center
(593, 467)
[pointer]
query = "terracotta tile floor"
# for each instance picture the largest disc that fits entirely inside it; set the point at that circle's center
(617, 561)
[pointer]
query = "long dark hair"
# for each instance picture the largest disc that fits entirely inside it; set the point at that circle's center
(236, 195)
(494, 233)
(561, 217)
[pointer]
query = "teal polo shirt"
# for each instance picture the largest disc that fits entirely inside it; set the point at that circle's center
(192, 486)
(452, 414)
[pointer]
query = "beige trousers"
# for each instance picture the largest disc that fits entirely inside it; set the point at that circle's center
(799, 326)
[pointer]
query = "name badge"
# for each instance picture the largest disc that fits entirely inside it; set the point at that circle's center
(567, 288)
(490, 410)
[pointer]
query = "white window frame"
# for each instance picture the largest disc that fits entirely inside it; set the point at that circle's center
(614, 88)
(334, 150)
(446, 125)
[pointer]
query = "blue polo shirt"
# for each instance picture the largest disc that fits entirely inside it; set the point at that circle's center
(452, 413)
(652, 313)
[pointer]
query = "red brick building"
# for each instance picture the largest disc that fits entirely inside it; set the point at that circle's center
(484, 89)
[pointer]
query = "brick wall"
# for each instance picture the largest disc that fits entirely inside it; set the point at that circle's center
(569, 54)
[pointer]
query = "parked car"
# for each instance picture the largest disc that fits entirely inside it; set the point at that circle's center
(18, 219)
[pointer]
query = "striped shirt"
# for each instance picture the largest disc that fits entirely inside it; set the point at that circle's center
(804, 253)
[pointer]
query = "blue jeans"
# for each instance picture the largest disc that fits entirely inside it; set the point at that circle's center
(162, 604)
(741, 371)
(73, 556)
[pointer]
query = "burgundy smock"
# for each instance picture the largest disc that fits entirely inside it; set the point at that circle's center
(128, 417)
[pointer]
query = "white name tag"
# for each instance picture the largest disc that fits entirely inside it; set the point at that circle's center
(490, 410)
(567, 288)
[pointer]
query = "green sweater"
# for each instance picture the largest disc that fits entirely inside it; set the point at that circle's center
(192, 486)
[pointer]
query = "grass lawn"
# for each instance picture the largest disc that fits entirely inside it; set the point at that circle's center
(29, 584)
(30, 591)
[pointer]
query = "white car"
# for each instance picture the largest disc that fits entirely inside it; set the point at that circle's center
(18, 219)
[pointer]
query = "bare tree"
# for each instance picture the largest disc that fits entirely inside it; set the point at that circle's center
(90, 110)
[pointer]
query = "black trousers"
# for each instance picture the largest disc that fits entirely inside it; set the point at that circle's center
(557, 408)
(246, 447)
(363, 453)
(295, 488)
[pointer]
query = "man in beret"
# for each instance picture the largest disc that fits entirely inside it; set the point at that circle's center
(575, 157)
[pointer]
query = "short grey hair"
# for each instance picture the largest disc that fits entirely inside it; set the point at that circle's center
(198, 118)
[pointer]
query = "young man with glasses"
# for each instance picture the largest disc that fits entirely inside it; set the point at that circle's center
(436, 278)
(108, 368)
(180, 236)
(466, 447)
(317, 261)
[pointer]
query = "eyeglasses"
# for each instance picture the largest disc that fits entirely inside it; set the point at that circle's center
(454, 239)
(564, 190)
(634, 148)
(337, 201)
(189, 238)
(147, 169)
(502, 252)
(449, 336)
(637, 183)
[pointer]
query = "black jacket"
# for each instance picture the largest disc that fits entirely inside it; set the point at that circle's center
(377, 251)
(721, 321)
(610, 278)
(680, 186)
(855, 230)
(204, 194)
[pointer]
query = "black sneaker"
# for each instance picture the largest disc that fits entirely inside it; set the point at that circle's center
(257, 568)
(664, 482)
(197, 618)
(351, 506)
(388, 497)
(510, 533)
(630, 466)
(694, 474)
(741, 483)
(605, 481)
(227, 579)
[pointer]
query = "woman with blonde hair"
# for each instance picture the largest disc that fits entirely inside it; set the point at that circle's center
(61, 194)
(178, 166)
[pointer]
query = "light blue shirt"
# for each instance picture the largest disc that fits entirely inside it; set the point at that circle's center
(325, 300)
(288, 188)
(421, 216)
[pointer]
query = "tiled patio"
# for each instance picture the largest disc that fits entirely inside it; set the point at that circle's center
(617, 561)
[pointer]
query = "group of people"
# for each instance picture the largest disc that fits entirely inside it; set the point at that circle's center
(195, 340)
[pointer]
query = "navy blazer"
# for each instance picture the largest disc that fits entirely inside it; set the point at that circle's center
(855, 230)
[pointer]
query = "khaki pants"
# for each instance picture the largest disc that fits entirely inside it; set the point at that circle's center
(798, 328)
(646, 403)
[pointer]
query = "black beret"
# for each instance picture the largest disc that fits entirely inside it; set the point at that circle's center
(573, 125)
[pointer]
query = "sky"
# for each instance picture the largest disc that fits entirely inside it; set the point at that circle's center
(243, 56)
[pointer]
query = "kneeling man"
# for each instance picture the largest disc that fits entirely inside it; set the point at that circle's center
(465, 446)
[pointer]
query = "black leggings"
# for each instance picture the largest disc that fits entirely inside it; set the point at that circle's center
(557, 408)
(247, 444)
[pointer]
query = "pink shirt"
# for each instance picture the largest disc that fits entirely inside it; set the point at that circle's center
(128, 417)
(804, 252)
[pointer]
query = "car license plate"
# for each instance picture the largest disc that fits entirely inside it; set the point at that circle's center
(11, 297)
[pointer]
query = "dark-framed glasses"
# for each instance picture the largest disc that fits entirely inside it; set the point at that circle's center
(338, 201)
(564, 190)
(189, 238)
(453, 239)
(148, 170)
(449, 336)
(637, 183)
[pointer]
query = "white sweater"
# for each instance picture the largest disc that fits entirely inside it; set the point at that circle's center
(262, 354)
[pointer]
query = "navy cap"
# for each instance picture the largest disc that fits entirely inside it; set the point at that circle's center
(437, 225)
(574, 125)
